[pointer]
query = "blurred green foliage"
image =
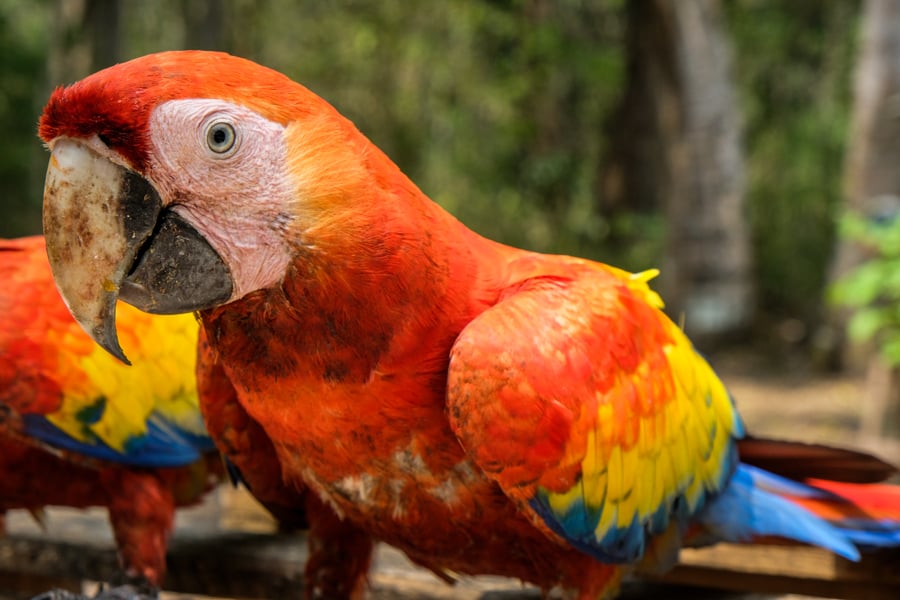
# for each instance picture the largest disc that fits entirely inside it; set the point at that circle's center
(495, 109)
(794, 65)
(499, 110)
(23, 48)
(873, 287)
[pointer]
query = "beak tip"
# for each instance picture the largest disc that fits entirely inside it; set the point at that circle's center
(106, 337)
(120, 355)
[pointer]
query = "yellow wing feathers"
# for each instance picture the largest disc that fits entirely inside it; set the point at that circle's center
(161, 379)
(649, 428)
(71, 393)
(663, 431)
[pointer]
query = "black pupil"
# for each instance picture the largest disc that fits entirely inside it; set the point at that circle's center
(219, 135)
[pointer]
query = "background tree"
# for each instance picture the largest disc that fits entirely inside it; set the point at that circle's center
(872, 183)
(23, 38)
(681, 150)
(205, 24)
(503, 112)
(793, 62)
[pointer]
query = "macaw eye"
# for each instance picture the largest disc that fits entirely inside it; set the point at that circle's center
(220, 137)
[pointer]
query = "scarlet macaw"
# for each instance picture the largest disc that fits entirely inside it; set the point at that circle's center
(80, 429)
(483, 408)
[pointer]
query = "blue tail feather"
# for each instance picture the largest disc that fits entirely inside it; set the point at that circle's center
(750, 507)
(871, 539)
(864, 533)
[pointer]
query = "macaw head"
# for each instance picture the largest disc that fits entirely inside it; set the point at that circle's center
(181, 181)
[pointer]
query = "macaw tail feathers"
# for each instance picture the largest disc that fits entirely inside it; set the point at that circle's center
(840, 518)
(867, 514)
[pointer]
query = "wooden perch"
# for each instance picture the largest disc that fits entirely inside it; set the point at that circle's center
(224, 548)
(790, 569)
(247, 565)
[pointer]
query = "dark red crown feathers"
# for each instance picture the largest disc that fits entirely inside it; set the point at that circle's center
(116, 103)
(94, 106)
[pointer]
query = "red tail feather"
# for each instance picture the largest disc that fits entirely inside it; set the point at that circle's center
(879, 502)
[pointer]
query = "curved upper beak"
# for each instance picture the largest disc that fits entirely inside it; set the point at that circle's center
(110, 237)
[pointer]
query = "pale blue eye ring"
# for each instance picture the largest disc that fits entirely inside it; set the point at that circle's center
(221, 137)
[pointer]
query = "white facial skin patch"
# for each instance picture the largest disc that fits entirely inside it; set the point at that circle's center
(222, 167)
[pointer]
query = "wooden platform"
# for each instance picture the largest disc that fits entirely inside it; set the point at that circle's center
(226, 549)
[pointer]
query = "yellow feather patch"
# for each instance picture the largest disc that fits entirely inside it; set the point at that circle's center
(112, 401)
(663, 430)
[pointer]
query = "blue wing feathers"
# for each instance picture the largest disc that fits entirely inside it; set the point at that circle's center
(163, 445)
(576, 528)
(750, 506)
(621, 544)
(628, 543)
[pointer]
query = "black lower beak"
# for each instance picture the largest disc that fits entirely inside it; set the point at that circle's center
(176, 272)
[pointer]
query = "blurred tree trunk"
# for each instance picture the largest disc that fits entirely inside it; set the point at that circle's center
(686, 156)
(872, 184)
(204, 24)
(69, 56)
(86, 38)
(632, 176)
(101, 21)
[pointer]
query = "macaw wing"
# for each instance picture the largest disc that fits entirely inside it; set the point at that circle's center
(592, 410)
(158, 445)
(70, 394)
